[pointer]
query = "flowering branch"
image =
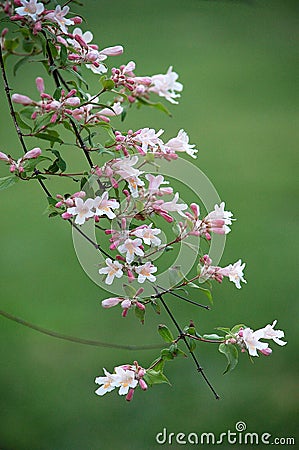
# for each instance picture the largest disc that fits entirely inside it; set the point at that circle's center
(129, 207)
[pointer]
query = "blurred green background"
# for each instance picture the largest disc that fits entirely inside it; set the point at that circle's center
(237, 62)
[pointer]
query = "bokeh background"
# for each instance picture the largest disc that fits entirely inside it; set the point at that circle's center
(237, 61)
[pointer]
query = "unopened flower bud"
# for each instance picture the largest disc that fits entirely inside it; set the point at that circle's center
(34, 153)
(143, 384)
(4, 157)
(110, 302)
(66, 215)
(22, 99)
(130, 394)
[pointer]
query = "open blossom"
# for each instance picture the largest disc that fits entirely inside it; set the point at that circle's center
(105, 383)
(270, 333)
(173, 206)
(82, 210)
(155, 183)
(30, 8)
(58, 16)
(166, 85)
(148, 137)
(180, 143)
(131, 247)
(115, 110)
(113, 269)
(251, 339)
(234, 272)
(148, 234)
(124, 379)
(104, 206)
(146, 272)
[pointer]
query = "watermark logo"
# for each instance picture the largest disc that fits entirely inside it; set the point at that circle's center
(238, 436)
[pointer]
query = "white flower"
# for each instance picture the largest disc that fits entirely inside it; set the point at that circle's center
(234, 272)
(113, 269)
(106, 383)
(251, 339)
(148, 234)
(181, 144)
(155, 182)
(124, 379)
(215, 218)
(30, 8)
(174, 206)
(87, 37)
(270, 333)
(115, 110)
(131, 247)
(124, 168)
(83, 210)
(149, 138)
(58, 16)
(145, 272)
(166, 85)
(103, 205)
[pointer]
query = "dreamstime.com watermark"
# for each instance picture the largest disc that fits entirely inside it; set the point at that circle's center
(239, 436)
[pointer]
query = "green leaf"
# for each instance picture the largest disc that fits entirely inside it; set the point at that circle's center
(21, 123)
(166, 354)
(18, 64)
(49, 137)
(165, 333)
(129, 290)
(157, 105)
(140, 313)
(57, 93)
(107, 84)
(7, 182)
(225, 330)
(158, 364)
(236, 328)
(212, 337)
(231, 353)
(156, 307)
(207, 293)
(63, 54)
(11, 44)
(30, 164)
(155, 377)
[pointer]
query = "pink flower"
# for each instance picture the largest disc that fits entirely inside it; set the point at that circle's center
(104, 206)
(166, 85)
(131, 247)
(173, 206)
(145, 272)
(113, 269)
(82, 210)
(148, 234)
(181, 144)
(110, 302)
(58, 16)
(30, 8)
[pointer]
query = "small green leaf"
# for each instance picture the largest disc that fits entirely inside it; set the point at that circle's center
(166, 354)
(158, 364)
(57, 93)
(165, 333)
(129, 290)
(207, 293)
(21, 123)
(155, 377)
(7, 182)
(212, 337)
(236, 328)
(11, 44)
(140, 313)
(63, 54)
(175, 275)
(49, 137)
(18, 64)
(107, 84)
(156, 307)
(231, 353)
(157, 105)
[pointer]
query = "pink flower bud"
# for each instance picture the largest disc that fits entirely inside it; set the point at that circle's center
(110, 302)
(58, 204)
(4, 157)
(12, 168)
(66, 215)
(114, 183)
(77, 20)
(21, 169)
(139, 292)
(71, 93)
(37, 27)
(4, 32)
(34, 153)
(240, 333)
(103, 118)
(54, 118)
(143, 384)
(18, 3)
(266, 351)
(80, 41)
(140, 306)
(195, 208)
(120, 258)
(69, 202)
(96, 218)
(165, 216)
(72, 101)
(130, 276)
(126, 304)
(113, 51)
(130, 394)
(22, 99)
(34, 115)
(16, 16)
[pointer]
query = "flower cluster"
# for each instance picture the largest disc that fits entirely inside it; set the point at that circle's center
(233, 271)
(18, 166)
(249, 340)
(125, 377)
